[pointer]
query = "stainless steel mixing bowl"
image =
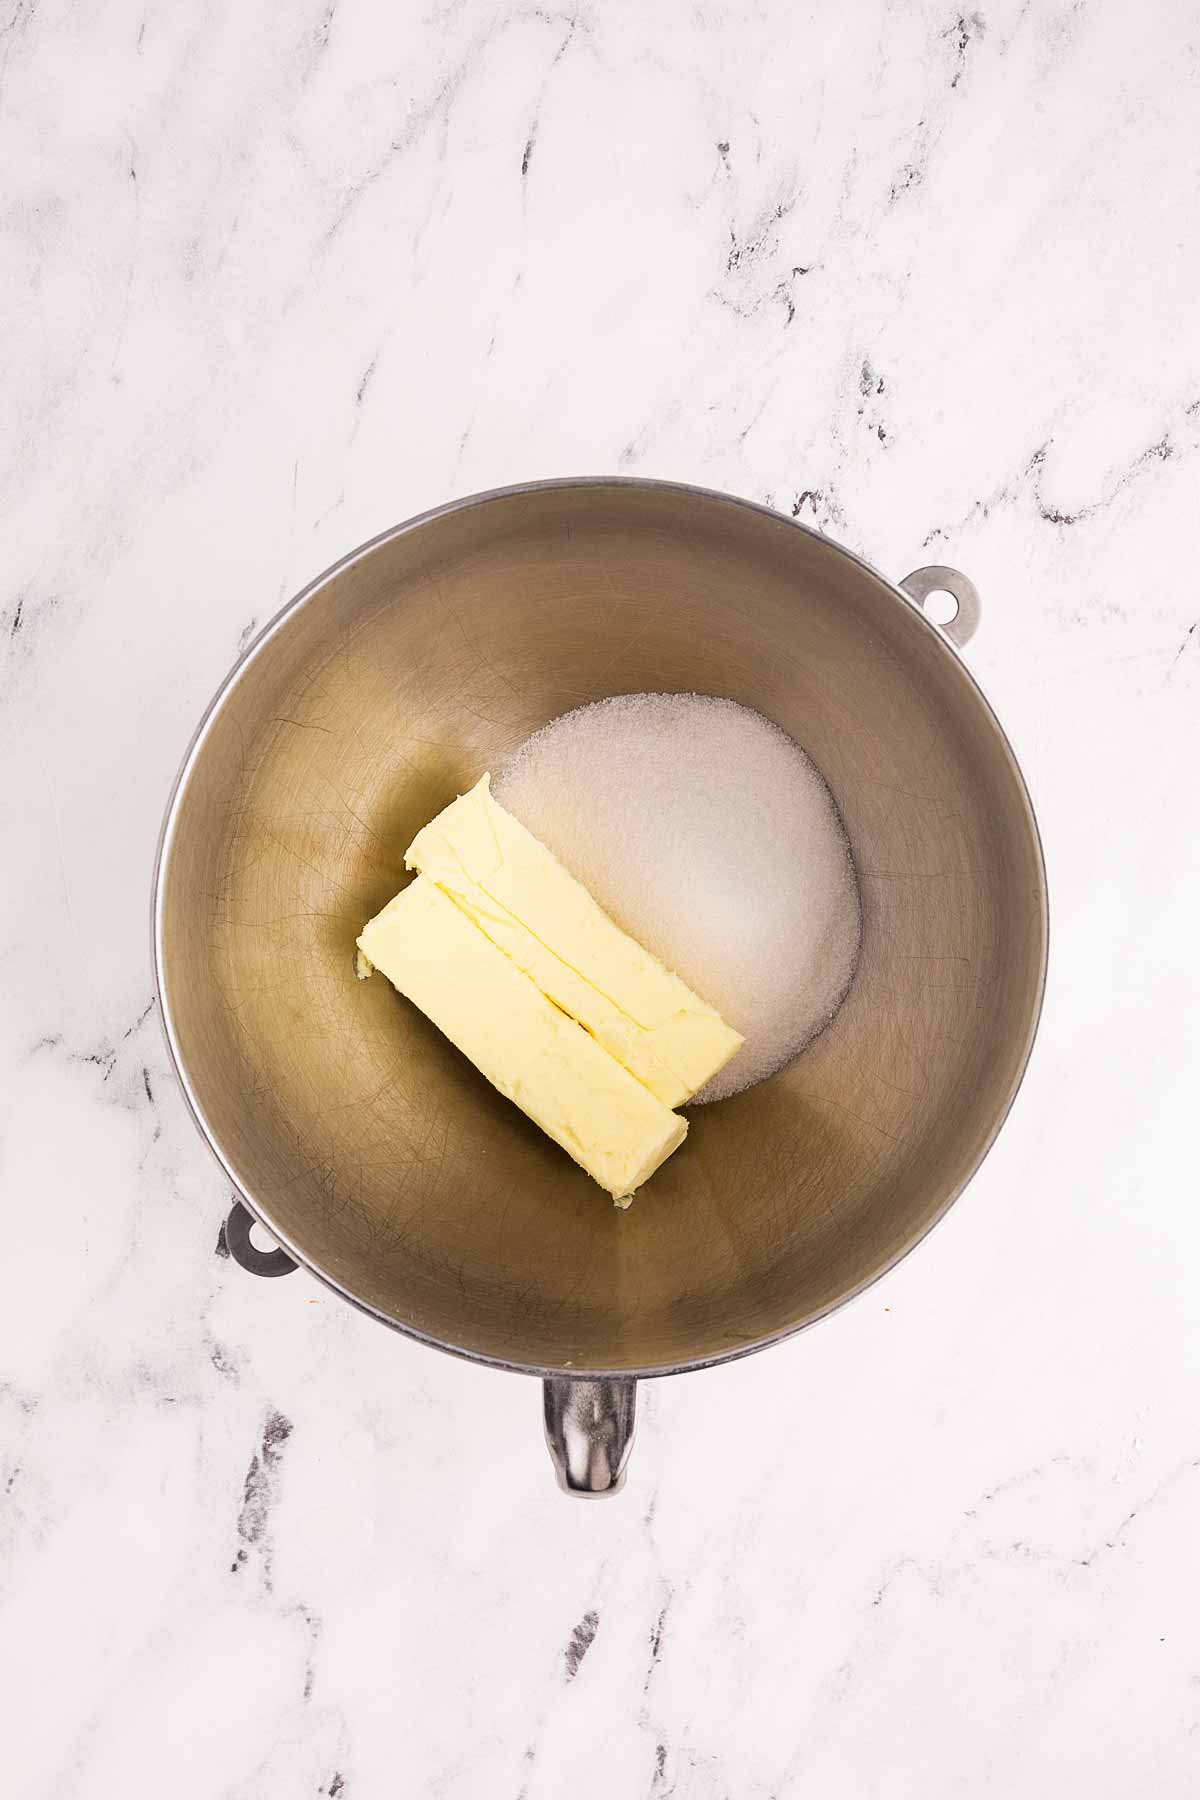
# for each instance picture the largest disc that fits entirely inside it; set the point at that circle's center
(375, 1153)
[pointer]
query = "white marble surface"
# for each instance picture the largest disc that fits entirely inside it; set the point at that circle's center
(275, 277)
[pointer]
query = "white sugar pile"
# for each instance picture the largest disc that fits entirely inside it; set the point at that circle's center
(709, 835)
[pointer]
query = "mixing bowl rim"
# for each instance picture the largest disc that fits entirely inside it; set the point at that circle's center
(256, 649)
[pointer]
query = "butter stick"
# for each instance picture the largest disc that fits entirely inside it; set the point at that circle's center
(533, 909)
(541, 1060)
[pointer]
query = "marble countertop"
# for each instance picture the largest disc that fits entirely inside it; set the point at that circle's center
(275, 278)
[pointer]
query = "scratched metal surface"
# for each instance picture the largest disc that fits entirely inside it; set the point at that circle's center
(372, 1148)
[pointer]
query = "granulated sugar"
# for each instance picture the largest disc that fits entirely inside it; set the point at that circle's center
(708, 834)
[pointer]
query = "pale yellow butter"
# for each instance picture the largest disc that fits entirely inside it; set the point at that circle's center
(536, 1056)
(533, 909)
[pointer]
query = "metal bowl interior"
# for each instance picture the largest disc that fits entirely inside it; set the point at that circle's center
(373, 1150)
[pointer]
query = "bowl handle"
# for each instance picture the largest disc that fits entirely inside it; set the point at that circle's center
(937, 578)
(247, 1255)
(589, 1428)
